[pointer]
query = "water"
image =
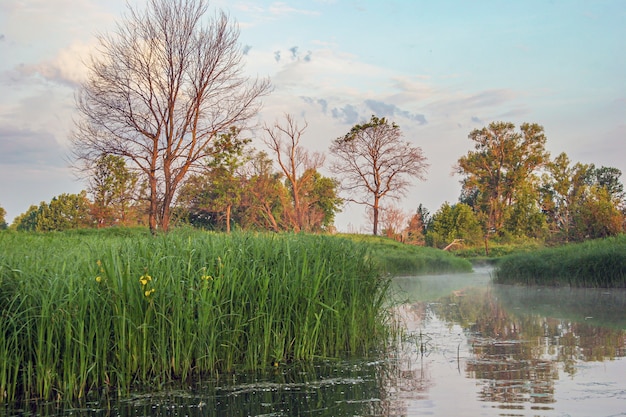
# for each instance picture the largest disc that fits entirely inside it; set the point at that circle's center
(510, 351)
(469, 348)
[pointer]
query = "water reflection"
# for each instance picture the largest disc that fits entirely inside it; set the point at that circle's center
(523, 343)
(337, 388)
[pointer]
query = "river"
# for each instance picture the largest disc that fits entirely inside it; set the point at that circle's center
(469, 348)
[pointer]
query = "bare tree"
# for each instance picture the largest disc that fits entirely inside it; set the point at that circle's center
(374, 162)
(297, 163)
(393, 219)
(162, 87)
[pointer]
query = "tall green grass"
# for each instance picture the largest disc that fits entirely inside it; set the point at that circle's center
(396, 258)
(596, 263)
(118, 310)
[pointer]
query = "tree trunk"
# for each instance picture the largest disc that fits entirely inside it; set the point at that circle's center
(228, 218)
(154, 205)
(375, 217)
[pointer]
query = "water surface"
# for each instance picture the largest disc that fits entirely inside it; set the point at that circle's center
(493, 350)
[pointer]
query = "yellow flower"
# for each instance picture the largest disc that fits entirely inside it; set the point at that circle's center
(144, 279)
(98, 278)
(99, 262)
(207, 277)
(147, 293)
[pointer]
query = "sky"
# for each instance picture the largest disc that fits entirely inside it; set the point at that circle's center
(438, 69)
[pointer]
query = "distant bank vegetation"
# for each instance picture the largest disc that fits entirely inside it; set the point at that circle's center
(596, 263)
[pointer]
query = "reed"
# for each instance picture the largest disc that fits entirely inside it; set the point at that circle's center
(83, 312)
(595, 263)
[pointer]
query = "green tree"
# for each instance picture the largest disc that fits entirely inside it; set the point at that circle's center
(373, 162)
(454, 222)
(320, 201)
(26, 221)
(159, 91)
(502, 165)
(264, 195)
(582, 201)
(609, 179)
(563, 188)
(210, 196)
(115, 192)
(596, 216)
(3, 222)
(525, 218)
(66, 211)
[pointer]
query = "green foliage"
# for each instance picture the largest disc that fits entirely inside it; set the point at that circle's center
(119, 308)
(525, 218)
(323, 201)
(594, 263)
(454, 222)
(499, 247)
(3, 223)
(501, 166)
(397, 258)
(581, 201)
(596, 216)
(66, 211)
(115, 192)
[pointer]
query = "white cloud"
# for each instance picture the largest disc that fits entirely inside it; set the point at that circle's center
(66, 68)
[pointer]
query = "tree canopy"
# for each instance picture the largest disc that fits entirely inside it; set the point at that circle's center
(373, 162)
(500, 168)
(3, 223)
(162, 88)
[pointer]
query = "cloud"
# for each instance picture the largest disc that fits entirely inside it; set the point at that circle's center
(20, 147)
(294, 52)
(391, 110)
(66, 68)
(487, 98)
(2, 37)
(277, 56)
(246, 49)
(347, 114)
(322, 103)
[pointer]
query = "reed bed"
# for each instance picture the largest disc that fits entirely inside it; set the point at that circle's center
(83, 312)
(594, 264)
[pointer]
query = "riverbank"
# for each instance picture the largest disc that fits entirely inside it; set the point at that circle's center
(396, 258)
(597, 263)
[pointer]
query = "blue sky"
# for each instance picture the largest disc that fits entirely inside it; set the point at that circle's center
(439, 69)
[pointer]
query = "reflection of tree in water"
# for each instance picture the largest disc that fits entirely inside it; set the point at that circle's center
(405, 377)
(518, 354)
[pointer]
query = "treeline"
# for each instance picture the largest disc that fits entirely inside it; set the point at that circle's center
(252, 197)
(511, 189)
